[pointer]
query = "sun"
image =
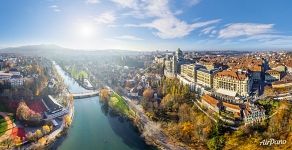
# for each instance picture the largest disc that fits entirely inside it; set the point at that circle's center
(86, 30)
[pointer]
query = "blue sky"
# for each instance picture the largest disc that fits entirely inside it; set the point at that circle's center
(148, 24)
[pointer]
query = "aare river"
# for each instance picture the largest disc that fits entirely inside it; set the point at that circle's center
(96, 128)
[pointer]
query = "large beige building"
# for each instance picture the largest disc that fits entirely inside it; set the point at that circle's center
(198, 74)
(188, 71)
(205, 77)
(233, 82)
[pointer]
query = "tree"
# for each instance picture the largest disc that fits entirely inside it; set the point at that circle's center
(104, 94)
(38, 133)
(216, 143)
(167, 101)
(30, 136)
(46, 129)
(24, 113)
(269, 91)
(17, 140)
(148, 93)
(42, 141)
(67, 120)
(184, 113)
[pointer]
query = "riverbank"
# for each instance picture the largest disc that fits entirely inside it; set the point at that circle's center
(95, 127)
(59, 129)
(150, 130)
(82, 84)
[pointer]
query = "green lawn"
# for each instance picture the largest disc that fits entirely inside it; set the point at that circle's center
(3, 125)
(119, 104)
(76, 74)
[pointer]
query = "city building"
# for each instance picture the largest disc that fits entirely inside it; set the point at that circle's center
(205, 76)
(159, 59)
(5, 76)
(234, 108)
(189, 71)
(233, 83)
(253, 114)
(16, 81)
(211, 103)
(14, 71)
(173, 63)
(272, 75)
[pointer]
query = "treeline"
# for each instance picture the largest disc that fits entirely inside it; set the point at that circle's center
(174, 108)
(278, 127)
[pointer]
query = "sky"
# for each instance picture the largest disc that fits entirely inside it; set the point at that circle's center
(148, 24)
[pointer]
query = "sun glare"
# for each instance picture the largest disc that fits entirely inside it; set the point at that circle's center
(86, 30)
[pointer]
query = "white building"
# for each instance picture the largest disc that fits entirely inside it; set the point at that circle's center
(16, 81)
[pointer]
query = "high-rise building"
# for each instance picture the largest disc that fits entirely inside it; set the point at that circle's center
(173, 63)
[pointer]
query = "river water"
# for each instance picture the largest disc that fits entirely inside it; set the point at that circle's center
(94, 127)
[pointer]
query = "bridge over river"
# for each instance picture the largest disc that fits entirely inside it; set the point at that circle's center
(85, 94)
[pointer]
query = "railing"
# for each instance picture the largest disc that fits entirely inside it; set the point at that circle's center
(85, 94)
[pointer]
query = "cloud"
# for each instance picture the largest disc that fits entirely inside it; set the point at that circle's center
(92, 1)
(170, 28)
(209, 30)
(126, 3)
(244, 30)
(55, 8)
(164, 21)
(105, 18)
(129, 37)
(193, 2)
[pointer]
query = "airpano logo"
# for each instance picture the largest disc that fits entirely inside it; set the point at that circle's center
(272, 141)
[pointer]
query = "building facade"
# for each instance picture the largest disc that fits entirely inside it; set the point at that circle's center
(272, 75)
(233, 81)
(205, 77)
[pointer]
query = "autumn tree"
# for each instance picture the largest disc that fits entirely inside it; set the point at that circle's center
(148, 93)
(104, 94)
(38, 133)
(46, 129)
(17, 141)
(30, 136)
(42, 141)
(269, 91)
(67, 120)
(167, 101)
(24, 113)
(184, 113)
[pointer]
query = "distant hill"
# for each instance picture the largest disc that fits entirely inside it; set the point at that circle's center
(53, 50)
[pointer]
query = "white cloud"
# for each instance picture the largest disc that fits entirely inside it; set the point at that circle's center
(193, 2)
(92, 1)
(244, 29)
(55, 8)
(126, 3)
(208, 30)
(129, 37)
(105, 18)
(168, 26)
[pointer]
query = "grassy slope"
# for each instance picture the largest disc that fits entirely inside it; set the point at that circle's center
(119, 104)
(3, 125)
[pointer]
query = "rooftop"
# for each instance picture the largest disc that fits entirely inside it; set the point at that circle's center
(233, 74)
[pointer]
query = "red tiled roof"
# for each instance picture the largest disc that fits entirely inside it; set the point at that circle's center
(232, 74)
(231, 106)
(210, 100)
